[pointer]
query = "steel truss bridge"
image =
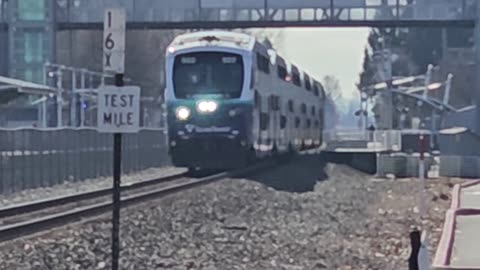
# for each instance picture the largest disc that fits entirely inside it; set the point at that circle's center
(267, 13)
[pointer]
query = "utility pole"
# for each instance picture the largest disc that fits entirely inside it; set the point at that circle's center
(477, 68)
(383, 64)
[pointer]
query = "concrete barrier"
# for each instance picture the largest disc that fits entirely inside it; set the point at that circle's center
(460, 166)
(401, 165)
(366, 162)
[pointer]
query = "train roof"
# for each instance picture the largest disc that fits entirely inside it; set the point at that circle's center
(235, 40)
(219, 38)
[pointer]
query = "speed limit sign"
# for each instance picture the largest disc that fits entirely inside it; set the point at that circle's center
(114, 40)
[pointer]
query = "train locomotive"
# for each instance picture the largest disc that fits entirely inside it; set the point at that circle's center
(231, 100)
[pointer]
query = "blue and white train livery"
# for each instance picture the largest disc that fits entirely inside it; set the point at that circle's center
(230, 99)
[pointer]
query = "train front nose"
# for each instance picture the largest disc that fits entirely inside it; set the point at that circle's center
(213, 136)
(210, 152)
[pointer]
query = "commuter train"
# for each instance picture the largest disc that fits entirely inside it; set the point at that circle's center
(231, 100)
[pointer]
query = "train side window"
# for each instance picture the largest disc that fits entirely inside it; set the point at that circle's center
(296, 76)
(297, 122)
(264, 121)
(321, 92)
(258, 100)
(313, 111)
(308, 84)
(296, 79)
(263, 63)
(303, 108)
(274, 103)
(283, 122)
(290, 106)
(282, 72)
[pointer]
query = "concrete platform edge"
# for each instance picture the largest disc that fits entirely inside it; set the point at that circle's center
(445, 247)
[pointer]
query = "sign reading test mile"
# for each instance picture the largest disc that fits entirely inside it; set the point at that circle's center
(119, 109)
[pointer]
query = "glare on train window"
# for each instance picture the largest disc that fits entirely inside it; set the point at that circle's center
(229, 60)
(188, 60)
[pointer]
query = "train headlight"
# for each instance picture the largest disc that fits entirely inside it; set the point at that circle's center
(182, 113)
(207, 106)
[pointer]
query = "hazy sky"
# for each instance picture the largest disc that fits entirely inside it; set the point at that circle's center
(327, 51)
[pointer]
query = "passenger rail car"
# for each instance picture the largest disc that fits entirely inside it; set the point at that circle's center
(230, 100)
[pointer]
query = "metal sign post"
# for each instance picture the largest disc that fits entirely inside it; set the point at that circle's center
(421, 175)
(419, 257)
(423, 256)
(108, 103)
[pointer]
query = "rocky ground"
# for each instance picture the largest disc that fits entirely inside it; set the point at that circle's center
(70, 187)
(305, 215)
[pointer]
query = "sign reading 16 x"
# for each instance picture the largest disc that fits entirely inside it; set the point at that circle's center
(114, 41)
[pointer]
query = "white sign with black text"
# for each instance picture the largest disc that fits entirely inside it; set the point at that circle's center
(119, 109)
(114, 40)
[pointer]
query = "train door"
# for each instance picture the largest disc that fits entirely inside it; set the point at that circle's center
(264, 83)
(303, 125)
(313, 129)
(264, 117)
(283, 112)
(274, 111)
(290, 123)
(298, 130)
(257, 110)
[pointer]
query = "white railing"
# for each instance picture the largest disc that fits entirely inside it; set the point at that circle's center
(380, 140)
(388, 139)
(346, 134)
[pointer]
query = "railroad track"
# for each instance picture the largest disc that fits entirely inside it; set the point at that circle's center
(21, 220)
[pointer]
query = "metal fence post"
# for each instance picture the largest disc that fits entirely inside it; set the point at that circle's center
(82, 98)
(60, 98)
(73, 103)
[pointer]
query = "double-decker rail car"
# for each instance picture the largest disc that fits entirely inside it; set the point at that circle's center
(230, 100)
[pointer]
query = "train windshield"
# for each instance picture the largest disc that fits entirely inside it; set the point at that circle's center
(208, 73)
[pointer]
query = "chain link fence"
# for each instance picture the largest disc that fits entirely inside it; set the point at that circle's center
(32, 158)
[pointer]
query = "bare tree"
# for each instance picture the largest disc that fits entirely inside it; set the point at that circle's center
(145, 55)
(272, 38)
(332, 87)
(145, 59)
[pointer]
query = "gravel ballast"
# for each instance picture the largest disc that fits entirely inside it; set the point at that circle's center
(304, 215)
